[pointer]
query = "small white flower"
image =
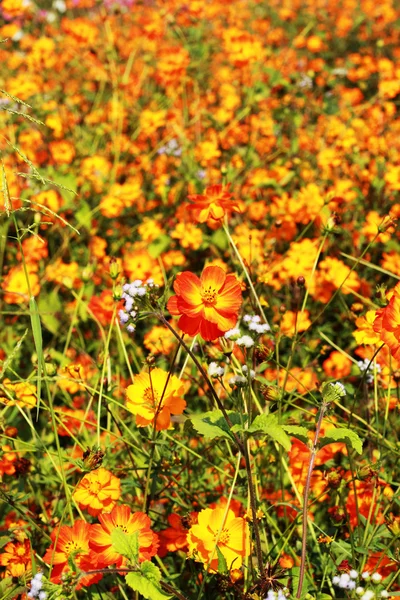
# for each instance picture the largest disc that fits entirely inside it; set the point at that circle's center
(353, 574)
(351, 585)
(214, 370)
(376, 577)
(335, 580)
(246, 341)
(60, 6)
(42, 595)
(359, 590)
(365, 575)
(232, 333)
(369, 595)
(130, 328)
(384, 594)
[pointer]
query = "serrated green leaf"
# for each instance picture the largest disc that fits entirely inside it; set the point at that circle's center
(150, 571)
(301, 433)
(343, 434)
(268, 424)
(140, 584)
(222, 566)
(213, 425)
(159, 245)
(126, 544)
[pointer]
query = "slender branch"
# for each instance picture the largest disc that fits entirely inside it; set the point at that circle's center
(324, 407)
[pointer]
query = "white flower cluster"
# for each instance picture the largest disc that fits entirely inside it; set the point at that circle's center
(240, 380)
(253, 322)
(279, 595)
(132, 293)
(36, 588)
(214, 370)
(348, 581)
(367, 366)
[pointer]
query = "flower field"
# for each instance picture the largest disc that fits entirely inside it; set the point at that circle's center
(200, 299)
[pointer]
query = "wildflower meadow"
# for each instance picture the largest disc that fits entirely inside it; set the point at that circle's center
(199, 299)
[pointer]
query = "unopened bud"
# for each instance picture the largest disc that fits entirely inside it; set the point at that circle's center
(334, 479)
(386, 224)
(92, 459)
(301, 281)
(114, 268)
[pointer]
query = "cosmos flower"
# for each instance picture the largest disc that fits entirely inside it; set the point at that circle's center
(209, 305)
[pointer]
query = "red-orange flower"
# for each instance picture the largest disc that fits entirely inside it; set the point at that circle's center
(122, 518)
(213, 204)
(387, 324)
(73, 541)
(208, 305)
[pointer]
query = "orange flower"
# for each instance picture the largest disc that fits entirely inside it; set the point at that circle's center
(73, 542)
(155, 396)
(387, 323)
(229, 534)
(173, 538)
(17, 558)
(365, 334)
(97, 492)
(370, 501)
(208, 305)
(102, 307)
(122, 518)
(214, 203)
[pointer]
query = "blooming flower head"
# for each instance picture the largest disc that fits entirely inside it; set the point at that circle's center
(17, 558)
(72, 542)
(213, 204)
(153, 397)
(122, 518)
(230, 535)
(98, 491)
(208, 305)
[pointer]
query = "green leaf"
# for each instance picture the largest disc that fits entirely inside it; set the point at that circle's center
(343, 434)
(84, 215)
(295, 581)
(269, 425)
(341, 551)
(159, 245)
(222, 566)
(301, 433)
(212, 424)
(150, 571)
(145, 587)
(126, 544)
(4, 539)
(48, 306)
(219, 239)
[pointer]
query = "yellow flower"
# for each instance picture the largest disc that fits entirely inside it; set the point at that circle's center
(25, 393)
(154, 397)
(231, 536)
(365, 333)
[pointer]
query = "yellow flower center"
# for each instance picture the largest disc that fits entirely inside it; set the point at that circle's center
(71, 546)
(94, 487)
(224, 537)
(150, 396)
(20, 551)
(209, 295)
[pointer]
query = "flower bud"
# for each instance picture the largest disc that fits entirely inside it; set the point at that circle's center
(114, 268)
(92, 459)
